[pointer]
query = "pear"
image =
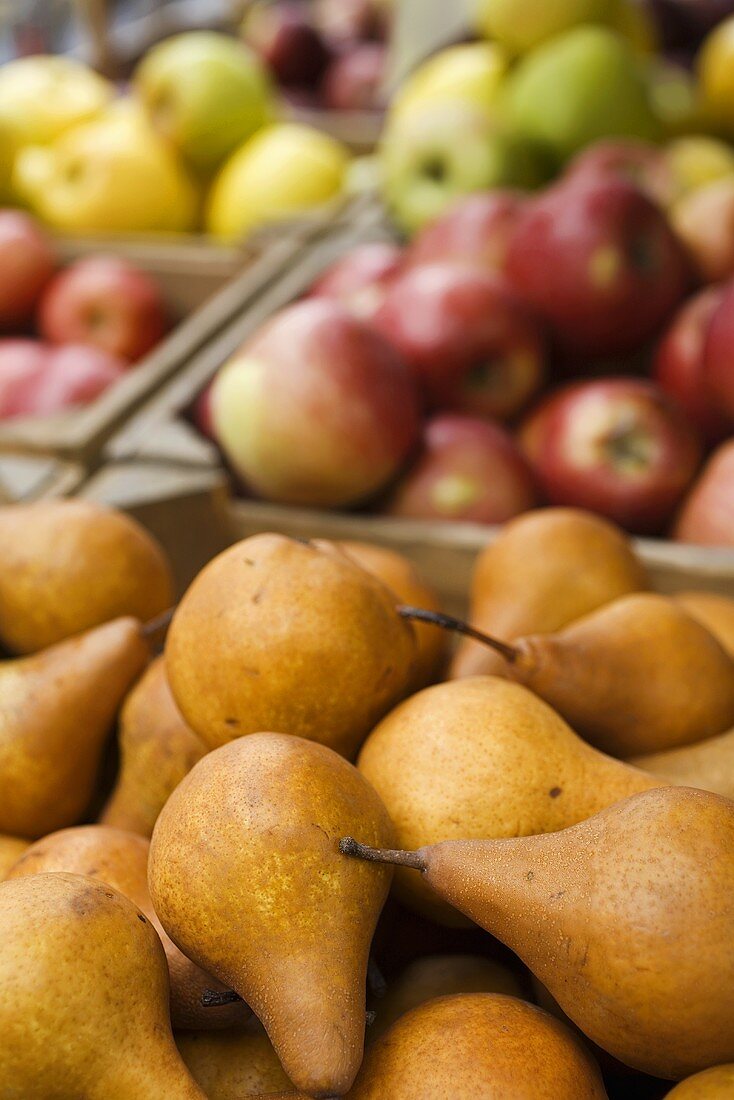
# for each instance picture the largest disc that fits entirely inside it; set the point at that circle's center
(283, 635)
(157, 749)
(56, 710)
(627, 918)
(69, 565)
(42, 96)
(481, 758)
(716, 612)
(440, 976)
(232, 1065)
(478, 1045)
(716, 1083)
(246, 877)
(11, 849)
(402, 578)
(83, 996)
(120, 859)
(544, 570)
(708, 764)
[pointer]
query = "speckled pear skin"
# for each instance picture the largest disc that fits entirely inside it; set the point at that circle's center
(232, 1065)
(715, 611)
(120, 859)
(478, 1046)
(716, 1083)
(545, 569)
(637, 676)
(83, 996)
(627, 918)
(482, 758)
(157, 749)
(56, 711)
(69, 565)
(11, 849)
(284, 635)
(707, 764)
(246, 877)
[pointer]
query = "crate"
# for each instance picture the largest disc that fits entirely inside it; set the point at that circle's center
(25, 478)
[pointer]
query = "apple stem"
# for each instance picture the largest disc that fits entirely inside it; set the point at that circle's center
(348, 846)
(160, 622)
(448, 622)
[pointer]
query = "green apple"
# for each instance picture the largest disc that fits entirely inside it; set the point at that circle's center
(431, 157)
(471, 72)
(42, 96)
(521, 25)
(205, 93)
(584, 85)
(285, 170)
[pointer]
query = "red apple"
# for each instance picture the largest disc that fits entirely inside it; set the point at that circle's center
(707, 517)
(617, 446)
(637, 162)
(346, 21)
(316, 408)
(598, 260)
(27, 262)
(474, 231)
(718, 358)
(353, 81)
(22, 364)
(474, 346)
(469, 470)
(679, 363)
(202, 413)
(361, 278)
(107, 303)
(37, 380)
(704, 222)
(287, 40)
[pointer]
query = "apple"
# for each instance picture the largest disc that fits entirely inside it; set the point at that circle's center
(36, 380)
(718, 357)
(287, 40)
(473, 345)
(105, 302)
(360, 279)
(707, 516)
(43, 96)
(470, 470)
(353, 81)
(22, 364)
(346, 21)
(27, 262)
(523, 25)
(679, 363)
(637, 162)
(617, 446)
(599, 261)
(704, 222)
(474, 231)
(202, 413)
(316, 409)
(470, 73)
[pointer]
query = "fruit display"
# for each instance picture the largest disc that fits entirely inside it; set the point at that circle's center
(332, 854)
(69, 333)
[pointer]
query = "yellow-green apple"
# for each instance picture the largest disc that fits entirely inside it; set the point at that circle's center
(43, 96)
(695, 160)
(27, 262)
(474, 231)
(617, 446)
(704, 222)
(638, 162)
(353, 81)
(360, 279)
(205, 93)
(472, 344)
(316, 409)
(707, 516)
(469, 73)
(106, 302)
(284, 170)
(521, 25)
(469, 469)
(679, 364)
(287, 41)
(718, 358)
(599, 261)
(715, 65)
(37, 380)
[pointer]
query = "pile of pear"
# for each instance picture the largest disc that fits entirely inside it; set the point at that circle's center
(285, 838)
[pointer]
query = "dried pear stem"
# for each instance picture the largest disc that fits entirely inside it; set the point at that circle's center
(448, 622)
(348, 846)
(214, 998)
(160, 622)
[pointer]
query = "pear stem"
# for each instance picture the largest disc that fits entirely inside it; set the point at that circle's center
(160, 622)
(214, 998)
(448, 622)
(348, 846)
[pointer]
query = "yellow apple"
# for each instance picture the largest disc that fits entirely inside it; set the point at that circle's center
(634, 23)
(715, 66)
(110, 175)
(521, 25)
(41, 97)
(284, 170)
(471, 73)
(697, 160)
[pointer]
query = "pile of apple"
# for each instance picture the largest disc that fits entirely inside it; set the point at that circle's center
(67, 335)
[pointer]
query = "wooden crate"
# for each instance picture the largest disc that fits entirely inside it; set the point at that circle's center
(25, 478)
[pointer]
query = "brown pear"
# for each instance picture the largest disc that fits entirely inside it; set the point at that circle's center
(11, 849)
(284, 635)
(545, 569)
(246, 877)
(627, 918)
(120, 859)
(714, 611)
(482, 758)
(56, 710)
(707, 764)
(716, 1083)
(635, 677)
(83, 996)
(234, 1065)
(69, 565)
(157, 749)
(402, 578)
(440, 976)
(478, 1045)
